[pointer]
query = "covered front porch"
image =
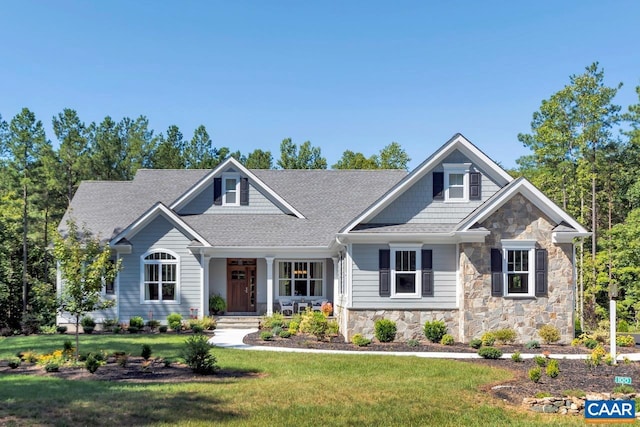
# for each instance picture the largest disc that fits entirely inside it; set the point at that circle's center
(256, 286)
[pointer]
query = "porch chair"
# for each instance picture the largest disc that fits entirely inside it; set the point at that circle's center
(317, 304)
(286, 305)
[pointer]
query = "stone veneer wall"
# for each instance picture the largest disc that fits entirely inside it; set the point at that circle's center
(517, 219)
(409, 323)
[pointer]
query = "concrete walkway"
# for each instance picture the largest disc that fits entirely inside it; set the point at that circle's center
(232, 338)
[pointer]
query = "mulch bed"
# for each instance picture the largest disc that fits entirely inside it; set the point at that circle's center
(574, 374)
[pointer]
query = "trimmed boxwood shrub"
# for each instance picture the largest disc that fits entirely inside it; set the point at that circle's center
(136, 321)
(174, 320)
(490, 353)
(360, 340)
(447, 339)
(475, 343)
(385, 330)
(435, 330)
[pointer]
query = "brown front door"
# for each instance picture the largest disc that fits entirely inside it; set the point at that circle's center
(241, 285)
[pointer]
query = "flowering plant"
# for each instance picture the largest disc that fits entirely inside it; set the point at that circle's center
(326, 308)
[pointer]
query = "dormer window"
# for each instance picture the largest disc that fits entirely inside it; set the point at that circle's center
(230, 190)
(456, 183)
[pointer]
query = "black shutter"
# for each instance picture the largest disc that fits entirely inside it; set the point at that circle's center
(496, 272)
(541, 272)
(438, 186)
(475, 186)
(427, 273)
(384, 262)
(244, 191)
(217, 191)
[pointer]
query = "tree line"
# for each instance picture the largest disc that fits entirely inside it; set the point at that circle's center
(585, 155)
(37, 182)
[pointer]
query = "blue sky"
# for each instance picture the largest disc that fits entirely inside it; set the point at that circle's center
(344, 75)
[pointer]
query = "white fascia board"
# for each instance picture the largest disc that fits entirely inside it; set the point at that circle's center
(566, 236)
(262, 252)
(530, 192)
(458, 142)
(195, 190)
(150, 215)
(471, 236)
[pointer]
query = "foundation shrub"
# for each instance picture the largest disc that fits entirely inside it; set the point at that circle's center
(333, 329)
(360, 340)
(488, 338)
(276, 330)
(549, 334)
(284, 334)
(505, 336)
(197, 328)
(153, 324)
(530, 345)
(174, 320)
(435, 330)
(61, 329)
(270, 322)
(475, 343)
(293, 327)
(266, 335)
(447, 340)
(385, 330)
(490, 353)
(314, 323)
(108, 324)
(413, 343)
(137, 322)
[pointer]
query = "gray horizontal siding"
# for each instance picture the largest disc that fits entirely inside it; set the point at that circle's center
(416, 205)
(365, 280)
(203, 203)
(159, 234)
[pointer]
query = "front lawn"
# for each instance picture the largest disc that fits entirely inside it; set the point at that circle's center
(292, 389)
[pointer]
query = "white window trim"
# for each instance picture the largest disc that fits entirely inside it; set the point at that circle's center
(226, 176)
(519, 245)
(417, 248)
(297, 298)
(142, 264)
(457, 168)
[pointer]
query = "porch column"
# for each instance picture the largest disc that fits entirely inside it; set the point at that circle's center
(269, 260)
(204, 286)
(336, 280)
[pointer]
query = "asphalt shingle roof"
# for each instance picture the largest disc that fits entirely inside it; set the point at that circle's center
(328, 199)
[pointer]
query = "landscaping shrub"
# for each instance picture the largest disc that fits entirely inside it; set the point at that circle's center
(67, 346)
(596, 356)
(146, 351)
(576, 342)
(52, 367)
(266, 335)
(61, 329)
(540, 361)
(435, 330)
(197, 356)
(447, 340)
(87, 321)
(137, 322)
(276, 319)
(314, 323)
(624, 389)
(505, 336)
(116, 329)
(174, 320)
(108, 324)
(535, 374)
(276, 330)
(91, 363)
(475, 343)
(30, 323)
(14, 362)
(284, 334)
(623, 326)
(552, 369)
(133, 329)
(197, 328)
(293, 327)
(162, 329)
(217, 304)
(48, 330)
(88, 329)
(122, 359)
(530, 345)
(153, 324)
(360, 340)
(625, 341)
(333, 328)
(385, 330)
(516, 357)
(488, 338)
(608, 360)
(490, 353)
(590, 343)
(549, 334)
(413, 343)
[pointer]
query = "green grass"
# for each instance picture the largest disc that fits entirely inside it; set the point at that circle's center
(282, 389)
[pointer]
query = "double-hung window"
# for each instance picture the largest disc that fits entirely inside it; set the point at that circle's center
(456, 182)
(518, 267)
(160, 277)
(230, 190)
(300, 278)
(405, 271)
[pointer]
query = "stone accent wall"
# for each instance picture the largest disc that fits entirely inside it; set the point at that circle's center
(410, 323)
(571, 405)
(517, 219)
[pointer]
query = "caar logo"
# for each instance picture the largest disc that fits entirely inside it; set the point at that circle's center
(610, 411)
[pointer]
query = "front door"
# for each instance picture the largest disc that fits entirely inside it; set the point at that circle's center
(241, 285)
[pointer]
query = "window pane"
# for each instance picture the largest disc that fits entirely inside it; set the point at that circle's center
(300, 288)
(456, 179)
(518, 283)
(285, 288)
(405, 283)
(405, 260)
(151, 272)
(315, 270)
(169, 272)
(168, 291)
(231, 198)
(300, 270)
(316, 288)
(456, 193)
(284, 270)
(151, 291)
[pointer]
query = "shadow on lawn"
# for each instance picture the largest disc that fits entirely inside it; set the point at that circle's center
(59, 402)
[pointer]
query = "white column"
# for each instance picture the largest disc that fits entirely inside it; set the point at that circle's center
(269, 260)
(336, 280)
(204, 285)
